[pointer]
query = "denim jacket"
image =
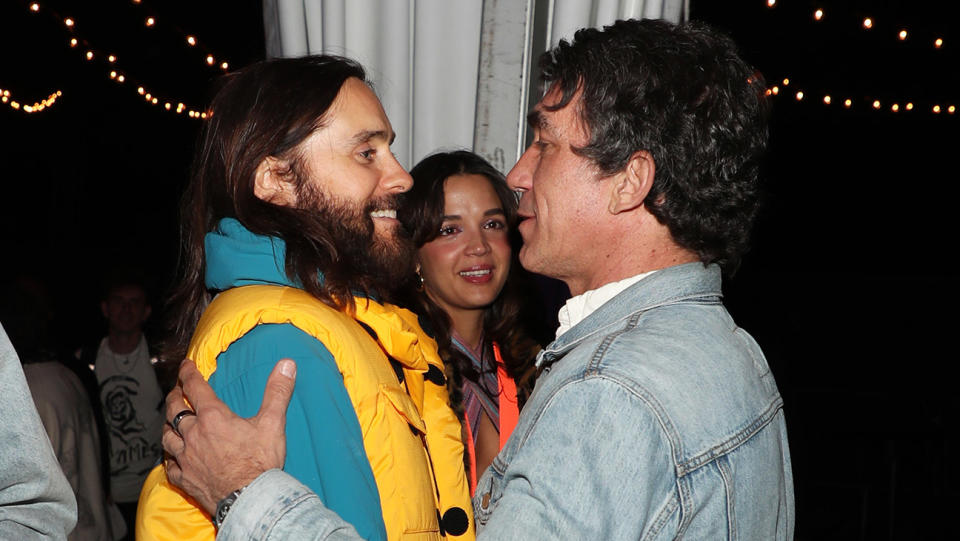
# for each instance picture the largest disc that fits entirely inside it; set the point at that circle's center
(36, 501)
(656, 417)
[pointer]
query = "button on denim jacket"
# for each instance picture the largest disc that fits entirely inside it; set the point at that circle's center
(656, 417)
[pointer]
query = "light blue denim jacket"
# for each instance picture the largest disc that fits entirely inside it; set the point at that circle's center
(656, 417)
(36, 502)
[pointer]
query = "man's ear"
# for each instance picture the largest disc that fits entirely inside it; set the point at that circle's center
(631, 186)
(271, 182)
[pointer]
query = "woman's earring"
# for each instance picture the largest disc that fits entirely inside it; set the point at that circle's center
(420, 279)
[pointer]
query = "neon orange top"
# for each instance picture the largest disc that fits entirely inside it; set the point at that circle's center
(509, 414)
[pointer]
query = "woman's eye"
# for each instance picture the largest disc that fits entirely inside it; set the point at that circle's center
(495, 224)
(447, 230)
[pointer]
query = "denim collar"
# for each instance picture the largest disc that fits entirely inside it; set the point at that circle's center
(666, 286)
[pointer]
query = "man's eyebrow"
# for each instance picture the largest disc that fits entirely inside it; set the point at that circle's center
(536, 119)
(366, 135)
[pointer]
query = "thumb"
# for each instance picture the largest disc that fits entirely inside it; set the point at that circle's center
(277, 394)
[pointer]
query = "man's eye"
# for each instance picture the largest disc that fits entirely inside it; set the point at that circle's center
(367, 154)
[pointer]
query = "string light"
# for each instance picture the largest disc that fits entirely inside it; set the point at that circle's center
(7, 98)
(867, 23)
(874, 104)
(771, 3)
(152, 20)
(90, 54)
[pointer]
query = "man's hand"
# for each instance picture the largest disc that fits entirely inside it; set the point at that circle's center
(218, 451)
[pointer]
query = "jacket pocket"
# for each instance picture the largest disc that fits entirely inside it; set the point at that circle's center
(489, 491)
(403, 474)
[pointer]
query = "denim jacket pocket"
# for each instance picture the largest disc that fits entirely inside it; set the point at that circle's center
(488, 493)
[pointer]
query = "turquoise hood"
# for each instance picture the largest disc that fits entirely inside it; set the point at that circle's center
(237, 257)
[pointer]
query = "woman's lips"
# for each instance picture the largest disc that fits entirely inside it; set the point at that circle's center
(477, 275)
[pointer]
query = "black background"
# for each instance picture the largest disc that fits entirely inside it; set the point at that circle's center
(850, 287)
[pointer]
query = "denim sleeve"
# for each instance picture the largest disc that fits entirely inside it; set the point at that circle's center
(36, 502)
(594, 464)
(275, 507)
(324, 443)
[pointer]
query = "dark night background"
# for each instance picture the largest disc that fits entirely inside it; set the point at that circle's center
(848, 288)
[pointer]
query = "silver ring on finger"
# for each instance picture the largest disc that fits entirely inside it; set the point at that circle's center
(175, 423)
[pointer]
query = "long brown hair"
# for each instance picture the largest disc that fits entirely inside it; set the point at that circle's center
(266, 109)
(422, 215)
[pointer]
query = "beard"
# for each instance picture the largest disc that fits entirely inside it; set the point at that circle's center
(385, 260)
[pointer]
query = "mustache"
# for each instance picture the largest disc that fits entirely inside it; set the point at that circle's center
(393, 201)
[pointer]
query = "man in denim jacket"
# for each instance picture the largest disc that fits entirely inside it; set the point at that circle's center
(655, 416)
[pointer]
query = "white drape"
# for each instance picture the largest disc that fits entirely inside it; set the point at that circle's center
(450, 73)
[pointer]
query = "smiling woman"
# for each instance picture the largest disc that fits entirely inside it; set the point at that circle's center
(462, 218)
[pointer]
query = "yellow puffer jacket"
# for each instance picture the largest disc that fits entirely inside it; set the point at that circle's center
(410, 434)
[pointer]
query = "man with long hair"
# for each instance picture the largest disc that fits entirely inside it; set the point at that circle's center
(290, 242)
(654, 416)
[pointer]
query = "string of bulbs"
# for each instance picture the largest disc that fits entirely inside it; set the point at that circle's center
(827, 99)
(115, 73)
(7, 98)
(868, 23)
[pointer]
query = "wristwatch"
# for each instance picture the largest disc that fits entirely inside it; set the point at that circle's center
(223, 507)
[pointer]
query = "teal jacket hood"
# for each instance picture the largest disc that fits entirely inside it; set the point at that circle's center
(237, 257)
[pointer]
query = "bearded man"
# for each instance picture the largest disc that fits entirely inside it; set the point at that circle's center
(290, 237)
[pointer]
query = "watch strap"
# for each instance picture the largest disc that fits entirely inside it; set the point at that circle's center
(223, 507)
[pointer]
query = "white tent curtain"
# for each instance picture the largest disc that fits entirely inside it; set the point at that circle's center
(450, 73)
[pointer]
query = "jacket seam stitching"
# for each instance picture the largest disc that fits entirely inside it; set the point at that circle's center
(734, 441)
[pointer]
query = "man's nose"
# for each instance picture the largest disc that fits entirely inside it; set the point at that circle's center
(396, 179)
(520, 177)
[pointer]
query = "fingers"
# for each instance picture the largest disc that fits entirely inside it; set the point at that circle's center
(172, 443)
(196, 390)
(279, 389)
(175, 402)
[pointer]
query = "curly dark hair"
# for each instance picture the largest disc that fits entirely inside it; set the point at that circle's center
(681, 93)
(266, 109)
(421, 213)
